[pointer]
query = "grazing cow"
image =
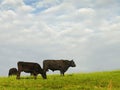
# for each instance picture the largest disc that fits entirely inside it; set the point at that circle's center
(30, 67)
(12, 71)
(61, 65)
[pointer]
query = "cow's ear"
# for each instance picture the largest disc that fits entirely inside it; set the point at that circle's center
(72, 60)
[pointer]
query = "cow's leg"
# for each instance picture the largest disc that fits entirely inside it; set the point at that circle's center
(35, 76)
(9, 74)
(31, 74)
(45, 68)
(62, 72)
(18, 75)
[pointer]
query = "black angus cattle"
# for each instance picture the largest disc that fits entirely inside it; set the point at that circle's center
(12, 71)
(61, 65)
(30, 67)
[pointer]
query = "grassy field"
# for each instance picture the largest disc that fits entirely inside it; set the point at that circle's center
(80, 81)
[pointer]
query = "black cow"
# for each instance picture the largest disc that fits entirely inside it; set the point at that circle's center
(61, 65)
(30, 67)
(12, 71)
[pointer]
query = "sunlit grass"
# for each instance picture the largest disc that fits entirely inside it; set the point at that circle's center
(79, 81)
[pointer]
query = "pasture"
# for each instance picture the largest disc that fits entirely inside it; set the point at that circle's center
(109, 80)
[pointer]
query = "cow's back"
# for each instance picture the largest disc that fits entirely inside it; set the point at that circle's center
(54, 64)
(27, 66)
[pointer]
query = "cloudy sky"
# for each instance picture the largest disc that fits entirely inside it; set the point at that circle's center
(87, 31)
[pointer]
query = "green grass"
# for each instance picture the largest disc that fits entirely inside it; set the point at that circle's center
(80, 81)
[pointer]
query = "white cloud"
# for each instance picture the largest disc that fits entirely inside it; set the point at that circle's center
(70, 29)
(86, 11)
(25, 9)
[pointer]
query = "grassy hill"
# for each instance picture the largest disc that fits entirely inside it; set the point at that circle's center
(80, 81)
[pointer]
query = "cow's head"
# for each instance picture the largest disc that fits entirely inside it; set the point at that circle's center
(72, 63)
(44, 74)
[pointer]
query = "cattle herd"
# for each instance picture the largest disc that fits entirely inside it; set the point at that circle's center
(35, 68)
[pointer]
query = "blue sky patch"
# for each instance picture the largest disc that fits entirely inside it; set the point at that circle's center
(30, 2)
